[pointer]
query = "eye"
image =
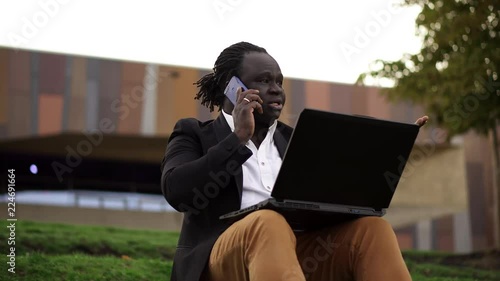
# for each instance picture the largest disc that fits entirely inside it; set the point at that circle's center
(280, 83)
(264, 80)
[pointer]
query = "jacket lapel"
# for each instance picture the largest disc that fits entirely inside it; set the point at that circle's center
(281, 142)
(222, 130)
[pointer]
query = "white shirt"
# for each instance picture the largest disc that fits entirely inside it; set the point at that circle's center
(261, 169)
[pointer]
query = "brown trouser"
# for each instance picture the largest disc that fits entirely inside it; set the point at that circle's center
(262, 247)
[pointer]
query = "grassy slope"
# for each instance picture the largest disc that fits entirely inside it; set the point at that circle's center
(69, 252)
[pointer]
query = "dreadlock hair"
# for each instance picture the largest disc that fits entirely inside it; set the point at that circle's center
(228, 64)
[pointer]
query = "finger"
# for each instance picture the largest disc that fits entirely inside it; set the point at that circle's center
(254, 97)
(422, 120)
(260, 109)
(239, 95)
(256, 106)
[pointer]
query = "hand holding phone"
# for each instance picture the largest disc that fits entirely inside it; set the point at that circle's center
(244, 124)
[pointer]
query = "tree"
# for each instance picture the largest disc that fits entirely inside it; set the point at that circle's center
(455, 75)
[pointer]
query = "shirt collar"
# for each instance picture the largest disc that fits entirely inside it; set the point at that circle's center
(230, 121)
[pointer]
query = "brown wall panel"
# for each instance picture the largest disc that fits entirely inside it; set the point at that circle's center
(203, 112)
(378, 105)
(358, 100)
(106, 112)
(176, 98)
(76, 105)
(50, 114)
(19, 70)
(287, 115)
(79, 77)
(184, 92)
(3, 131)
(76, 114)
(132, 94)
(132, 72)
(406, 237)
(165, 106)
(52, 69)
(4, 82)
(110, 75)
(297, 95)
(480, 186)
(401, 112)
(129, 110)
(317, 95)
(480, 217)
(109, 90)
(19, 124)
(341, 98)
(443, 234)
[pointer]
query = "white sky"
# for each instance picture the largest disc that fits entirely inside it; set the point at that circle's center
(327, 40)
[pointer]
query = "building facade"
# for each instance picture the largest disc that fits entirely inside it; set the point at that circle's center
(78, 116)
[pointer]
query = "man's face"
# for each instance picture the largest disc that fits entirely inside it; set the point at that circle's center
(261, 72)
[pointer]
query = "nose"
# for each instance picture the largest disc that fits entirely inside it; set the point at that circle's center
(276, 89)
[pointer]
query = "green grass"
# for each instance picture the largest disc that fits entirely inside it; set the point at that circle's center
(48, 251)
(82, 267)
(60, 239)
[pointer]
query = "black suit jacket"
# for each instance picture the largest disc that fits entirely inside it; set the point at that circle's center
(202, 177)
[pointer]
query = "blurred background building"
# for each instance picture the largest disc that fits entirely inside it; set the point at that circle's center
(86, 137)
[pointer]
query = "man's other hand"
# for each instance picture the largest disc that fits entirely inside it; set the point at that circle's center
(422, 120)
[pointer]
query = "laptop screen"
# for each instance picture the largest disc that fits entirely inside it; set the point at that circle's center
(344, 159)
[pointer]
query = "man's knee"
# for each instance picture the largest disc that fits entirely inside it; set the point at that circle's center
(374, 225)
(269, 220)
(268, 215)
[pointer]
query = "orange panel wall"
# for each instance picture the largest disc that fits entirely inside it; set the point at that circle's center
(50, 114)
(378, 105)
(132, 95)
(165, 105)
(341, 98)
(76, 105)
(358, 100)
(176, 97)
(286, 114)
(184, 92)
(317, 95)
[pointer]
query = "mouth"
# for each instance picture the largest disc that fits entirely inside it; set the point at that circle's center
(277, 105)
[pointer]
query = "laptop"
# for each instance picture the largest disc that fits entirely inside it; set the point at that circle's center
(337, 167)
